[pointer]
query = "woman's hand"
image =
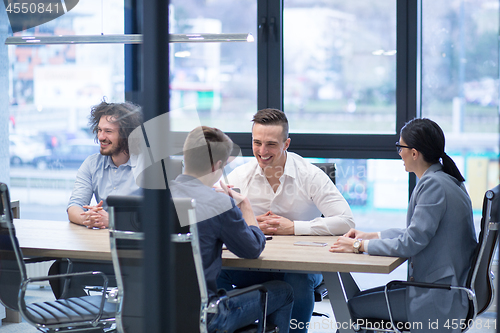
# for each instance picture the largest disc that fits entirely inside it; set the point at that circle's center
(343, 245)
(356, 234)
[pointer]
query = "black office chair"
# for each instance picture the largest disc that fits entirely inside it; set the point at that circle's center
(479, 284)
(88, 313)
(330, 169)
(321, 292)
(190, 272)
(126, 243)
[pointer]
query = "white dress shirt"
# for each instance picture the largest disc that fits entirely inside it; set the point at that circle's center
(305, 192)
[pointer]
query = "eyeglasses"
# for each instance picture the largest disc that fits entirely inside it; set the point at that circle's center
(400, 147)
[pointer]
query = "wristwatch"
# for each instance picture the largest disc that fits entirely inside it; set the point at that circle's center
(356, 245)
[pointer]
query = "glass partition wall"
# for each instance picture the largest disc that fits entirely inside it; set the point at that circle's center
(348, 74)
(51, 91)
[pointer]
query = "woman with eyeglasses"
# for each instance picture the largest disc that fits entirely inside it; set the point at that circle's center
(439, 239)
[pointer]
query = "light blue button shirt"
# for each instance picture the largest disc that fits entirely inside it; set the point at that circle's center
(99, 176)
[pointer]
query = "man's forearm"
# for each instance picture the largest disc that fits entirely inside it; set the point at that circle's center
(247, 213)
(331, 225)
(75, 215)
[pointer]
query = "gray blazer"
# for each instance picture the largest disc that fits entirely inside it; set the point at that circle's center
(439, 241)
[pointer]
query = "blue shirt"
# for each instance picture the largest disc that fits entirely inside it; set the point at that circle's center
(225, 225)
(99, 176)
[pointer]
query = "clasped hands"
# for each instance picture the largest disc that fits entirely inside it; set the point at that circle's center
(269, 223)
(95, 217)
(272, 224)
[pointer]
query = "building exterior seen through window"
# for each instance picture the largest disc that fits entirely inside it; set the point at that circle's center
(51, 90)
(340, 66)
(460, 85)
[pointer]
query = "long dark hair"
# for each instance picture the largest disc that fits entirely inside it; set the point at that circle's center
(428, 138)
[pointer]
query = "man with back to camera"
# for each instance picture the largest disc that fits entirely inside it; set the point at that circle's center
(108, 172)
(226, 218)
(288, 195)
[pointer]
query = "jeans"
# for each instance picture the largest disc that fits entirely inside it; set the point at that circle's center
(302, 284)
(243, 310)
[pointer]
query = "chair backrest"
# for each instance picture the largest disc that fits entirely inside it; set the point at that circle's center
(189, 275)
(126, 241)
(329, 169)
(127, 212)
(12, 268)
(480, 276)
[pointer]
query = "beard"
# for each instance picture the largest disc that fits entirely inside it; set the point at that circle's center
(114, 150)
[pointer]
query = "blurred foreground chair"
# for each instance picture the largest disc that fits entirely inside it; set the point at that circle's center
(89, 313)
(190, 273)
(321, 292)
(126, 243)
(479, 285)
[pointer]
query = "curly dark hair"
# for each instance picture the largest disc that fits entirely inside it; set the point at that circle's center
(128, 116)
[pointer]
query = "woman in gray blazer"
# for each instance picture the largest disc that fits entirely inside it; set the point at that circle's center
(439, 238)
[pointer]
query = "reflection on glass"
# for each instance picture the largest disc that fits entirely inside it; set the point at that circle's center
(213, 82)
(340, 66)
(51, 91)
(460, 85)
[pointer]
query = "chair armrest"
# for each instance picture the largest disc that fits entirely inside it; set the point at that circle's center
(470, 294)
(41, 259)
(418, 284)
(237, 292)
(57, 276)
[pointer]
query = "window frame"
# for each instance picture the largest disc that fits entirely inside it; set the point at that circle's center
(408, 86)
(160, 308)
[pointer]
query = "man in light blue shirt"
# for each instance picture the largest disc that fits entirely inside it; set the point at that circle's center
(100, 175)
(108, 172)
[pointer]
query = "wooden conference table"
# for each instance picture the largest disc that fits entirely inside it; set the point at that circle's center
(63, 239)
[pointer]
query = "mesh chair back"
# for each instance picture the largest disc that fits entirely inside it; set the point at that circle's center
(329, 169)
(127, 211)
(127, 251)
(480, 278)
(12, 269)
(187, 293)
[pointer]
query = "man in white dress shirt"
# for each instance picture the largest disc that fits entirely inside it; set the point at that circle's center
(288, 196)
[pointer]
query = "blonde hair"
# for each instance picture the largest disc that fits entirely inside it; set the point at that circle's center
(204, 147)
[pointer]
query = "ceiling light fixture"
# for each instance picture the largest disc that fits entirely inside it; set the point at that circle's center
(126, 39)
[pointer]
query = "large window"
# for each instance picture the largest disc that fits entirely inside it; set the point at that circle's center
(213, 83)
(51, 90)
(340, 66)
(460, 85)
